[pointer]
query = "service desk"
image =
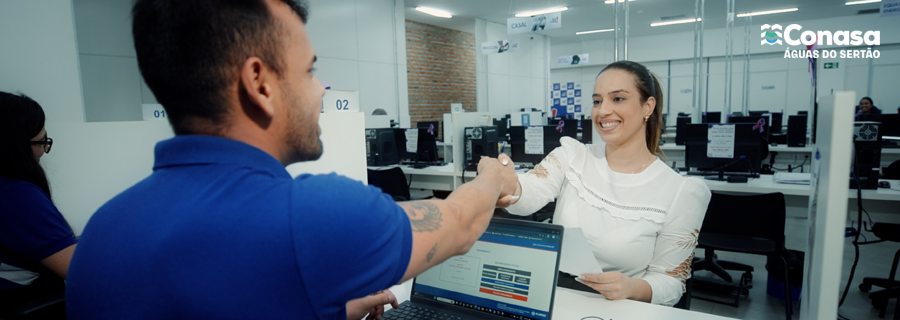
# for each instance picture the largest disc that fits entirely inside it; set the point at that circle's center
(573, 304)
(796, 196)
(431, 178)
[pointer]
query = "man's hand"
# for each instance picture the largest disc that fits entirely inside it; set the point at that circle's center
(504, 167)
(616, 286)
(373, 305)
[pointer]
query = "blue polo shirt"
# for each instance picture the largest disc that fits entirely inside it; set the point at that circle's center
(220, 230)
(31, 228)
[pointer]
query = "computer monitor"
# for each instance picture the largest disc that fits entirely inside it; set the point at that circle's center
(680, 124)
(517, 143)
(756, 121)
(890, 125)
(502, 125)
(587, 131)
(758, 112)
(569, 127)
(712, 117)
(426, 146)
(434, 127)
(796, 132)
(777, 122)
(750, 148)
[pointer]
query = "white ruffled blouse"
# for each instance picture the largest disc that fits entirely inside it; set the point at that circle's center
(643, 225)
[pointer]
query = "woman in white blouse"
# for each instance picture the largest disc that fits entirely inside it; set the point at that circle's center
(639, 216)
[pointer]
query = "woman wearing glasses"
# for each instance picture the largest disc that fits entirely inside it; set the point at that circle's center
(36, 243)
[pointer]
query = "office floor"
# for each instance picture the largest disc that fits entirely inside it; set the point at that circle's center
(874, 261)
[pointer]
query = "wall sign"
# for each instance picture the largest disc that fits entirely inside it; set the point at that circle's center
(340, 101)
(153, 112)
(572, 60)
(499, 46)
(534, 23)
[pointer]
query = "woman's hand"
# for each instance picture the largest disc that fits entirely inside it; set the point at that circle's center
(616, 286)
(510, 167)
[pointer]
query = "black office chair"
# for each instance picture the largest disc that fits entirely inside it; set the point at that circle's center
(45, 308)
(888, 232)
(746, 224)
(391, 181)
(43, 299)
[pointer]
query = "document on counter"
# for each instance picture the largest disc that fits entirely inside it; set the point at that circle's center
(534, 140)
(721, 141)
(792, 177)
(412, 140)
(577, 256)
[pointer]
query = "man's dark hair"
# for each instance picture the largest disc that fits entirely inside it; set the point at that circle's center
(190, 50)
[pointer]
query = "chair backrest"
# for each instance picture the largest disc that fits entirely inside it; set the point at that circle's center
(391, 181)
(760, 215)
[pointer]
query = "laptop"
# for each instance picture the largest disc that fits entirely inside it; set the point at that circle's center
(509, 273)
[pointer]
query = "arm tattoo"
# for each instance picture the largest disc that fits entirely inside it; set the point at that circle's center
(431, 253)
(424, 216)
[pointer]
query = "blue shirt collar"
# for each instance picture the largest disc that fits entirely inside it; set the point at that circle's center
(198, 150)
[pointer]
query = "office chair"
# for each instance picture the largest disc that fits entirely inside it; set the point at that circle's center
(391, 181)
(45, 308)
(745, 224)
(887, 232)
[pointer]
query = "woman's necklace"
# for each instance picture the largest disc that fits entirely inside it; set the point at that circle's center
(645, 164)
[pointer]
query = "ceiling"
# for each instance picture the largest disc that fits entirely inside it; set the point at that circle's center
(586, 15)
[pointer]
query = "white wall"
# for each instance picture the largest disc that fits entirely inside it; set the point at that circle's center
(112, 84)
(361, 45)
(39, 56)
(510, 81)
(93, 162)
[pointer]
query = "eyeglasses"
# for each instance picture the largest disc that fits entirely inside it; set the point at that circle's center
(46, 142)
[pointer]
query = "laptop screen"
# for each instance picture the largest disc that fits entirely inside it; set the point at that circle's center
(509, 272)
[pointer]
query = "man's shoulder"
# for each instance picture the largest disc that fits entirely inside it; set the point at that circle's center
(328, 182)
(336, 192)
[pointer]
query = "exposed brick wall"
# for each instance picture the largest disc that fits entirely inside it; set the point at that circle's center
(441, 70)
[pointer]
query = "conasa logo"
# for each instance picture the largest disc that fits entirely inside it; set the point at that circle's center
(770, 35)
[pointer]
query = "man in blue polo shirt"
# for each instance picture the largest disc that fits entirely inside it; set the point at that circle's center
(220, 230)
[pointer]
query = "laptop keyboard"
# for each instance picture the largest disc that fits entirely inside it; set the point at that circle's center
(409, 311)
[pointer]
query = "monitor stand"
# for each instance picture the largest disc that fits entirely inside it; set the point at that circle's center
(718, 177)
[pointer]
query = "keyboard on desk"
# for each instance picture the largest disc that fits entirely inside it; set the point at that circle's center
(421, 163)
(410, 311)
(727, 173)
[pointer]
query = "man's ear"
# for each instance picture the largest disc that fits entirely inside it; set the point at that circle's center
(256, 80)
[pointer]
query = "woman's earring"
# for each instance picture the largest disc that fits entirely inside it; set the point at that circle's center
(646, 118)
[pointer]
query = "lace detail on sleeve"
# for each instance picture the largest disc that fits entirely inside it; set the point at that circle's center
(539, 171)
(682, 272)
(553, 160)
(689, 242)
